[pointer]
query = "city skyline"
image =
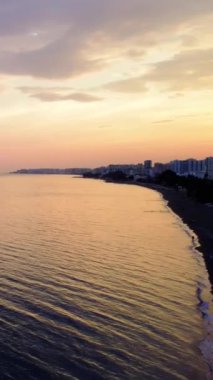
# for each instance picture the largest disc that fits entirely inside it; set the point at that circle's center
(85, 83)
(147, 161)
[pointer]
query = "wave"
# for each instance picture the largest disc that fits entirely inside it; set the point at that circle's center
(206, 346)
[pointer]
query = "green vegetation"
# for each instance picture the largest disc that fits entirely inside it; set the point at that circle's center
(196, 188)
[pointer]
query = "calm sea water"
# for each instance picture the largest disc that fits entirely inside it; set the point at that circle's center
(98, 281)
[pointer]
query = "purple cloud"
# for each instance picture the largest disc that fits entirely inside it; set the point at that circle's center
(54, 94)
(77, 36)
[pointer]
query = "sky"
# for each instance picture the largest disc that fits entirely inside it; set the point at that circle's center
(85, 83)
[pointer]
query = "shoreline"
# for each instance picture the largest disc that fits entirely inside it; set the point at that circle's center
(197, 216)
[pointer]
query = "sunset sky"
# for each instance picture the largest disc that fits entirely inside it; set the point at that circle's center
(93, 82)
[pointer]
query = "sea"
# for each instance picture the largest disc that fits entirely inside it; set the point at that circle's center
(99, 281)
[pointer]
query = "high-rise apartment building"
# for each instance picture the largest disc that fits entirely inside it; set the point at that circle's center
(209, 167)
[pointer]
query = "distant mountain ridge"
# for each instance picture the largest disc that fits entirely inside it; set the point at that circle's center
(52, 171)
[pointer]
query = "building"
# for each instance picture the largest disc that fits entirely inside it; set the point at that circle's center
(189, 167)
(176, 166)
(209, 167)
(147, 168)
(201, 169)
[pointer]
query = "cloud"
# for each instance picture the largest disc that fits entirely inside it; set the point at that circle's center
(104, 126)
(33, 89)
(55, 94)
(77, 37)
(163, 121)
(55, 97)
(60, 59)
(130, 85)
(187, 71)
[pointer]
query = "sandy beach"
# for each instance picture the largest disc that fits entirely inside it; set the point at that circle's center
(198, 217)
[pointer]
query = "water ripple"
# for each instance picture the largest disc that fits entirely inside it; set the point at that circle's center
(97, 282)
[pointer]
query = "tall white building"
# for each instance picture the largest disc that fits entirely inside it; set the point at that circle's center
(201, 168)
(197, 168)
(147, 168)
(175, 166)
(209, 167)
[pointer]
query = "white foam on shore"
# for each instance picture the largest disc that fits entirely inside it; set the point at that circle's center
(204, 306)
(206, 346)
(202, 292)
